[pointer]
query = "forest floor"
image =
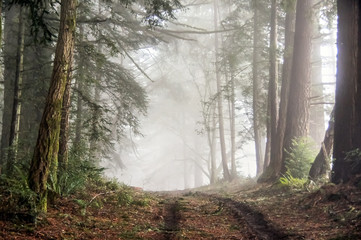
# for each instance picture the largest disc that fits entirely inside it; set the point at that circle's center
(228, 211)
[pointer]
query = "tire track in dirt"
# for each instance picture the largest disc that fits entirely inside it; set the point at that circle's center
(252, 224)
(171, 215)
(254, 219)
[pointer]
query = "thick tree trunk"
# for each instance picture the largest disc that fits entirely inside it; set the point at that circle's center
(299, 95)
(257, 89)
(47, 146)
(321, 166)
(226, 174)
(16, 111)
(64, 124)
(348, 93)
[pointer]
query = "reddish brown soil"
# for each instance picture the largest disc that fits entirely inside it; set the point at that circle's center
(256, 212)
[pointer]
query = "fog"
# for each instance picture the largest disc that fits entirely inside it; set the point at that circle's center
(179, 75)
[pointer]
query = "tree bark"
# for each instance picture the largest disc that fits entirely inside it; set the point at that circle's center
(277, 149)
(211, 133)
(79, 114)
(16, 111)
(94, 139)
(272, 88)
(47, 146)
(257, 89)
(348, 93)
(299, 95)
(321, 166)
(64, 125)
(79, 85)
(9, 50)
(1, 25)
(226, 174)
(233, 126)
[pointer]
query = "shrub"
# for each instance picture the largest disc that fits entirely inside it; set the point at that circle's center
(15, 191)
(300, 157)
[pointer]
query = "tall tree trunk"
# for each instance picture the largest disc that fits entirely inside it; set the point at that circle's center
(273, 170)
(16, 111)
(257, 89)
(79, 85)
(267, 152)
(95, 148)
(36, 81)
(1, 23)
(64, 125)
(9, 51)
(273, 82)
(94, 139)
(226, 174)
(317, 119)
(298, 101)
(212, 144)
(233, 126)
(47, 146)
(321, 166)
(348, 93)
(79, 113)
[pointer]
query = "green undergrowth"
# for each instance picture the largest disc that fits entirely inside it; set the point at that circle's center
(81, 183)
(298, 163)
(291, 182)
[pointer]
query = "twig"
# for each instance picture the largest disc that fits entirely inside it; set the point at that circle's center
(99, 195)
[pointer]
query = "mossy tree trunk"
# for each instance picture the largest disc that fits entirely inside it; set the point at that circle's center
(47, 146)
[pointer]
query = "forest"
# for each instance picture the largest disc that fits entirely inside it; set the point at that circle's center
(180, 119)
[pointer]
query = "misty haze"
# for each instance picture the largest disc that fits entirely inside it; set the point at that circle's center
(180, 119)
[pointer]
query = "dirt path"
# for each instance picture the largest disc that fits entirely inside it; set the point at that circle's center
(202, 216)
(241, 214)
(171, 219)
(254, 219)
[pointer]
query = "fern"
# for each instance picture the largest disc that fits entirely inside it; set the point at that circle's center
(291, 182)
